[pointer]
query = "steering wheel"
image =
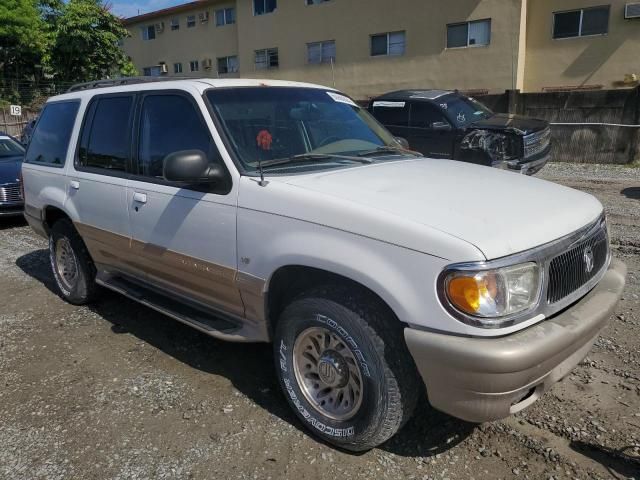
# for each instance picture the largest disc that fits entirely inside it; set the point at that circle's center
(329, 140)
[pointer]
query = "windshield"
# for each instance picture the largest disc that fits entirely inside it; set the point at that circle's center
(463, 111)
(10, 148)
(273, 123)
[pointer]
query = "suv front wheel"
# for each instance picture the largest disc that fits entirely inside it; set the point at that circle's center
(72, 266)
(344, 367)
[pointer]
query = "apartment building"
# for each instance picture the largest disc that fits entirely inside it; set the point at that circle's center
(366, 47)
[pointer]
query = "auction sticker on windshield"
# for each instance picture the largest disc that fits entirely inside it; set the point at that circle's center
(342, 98)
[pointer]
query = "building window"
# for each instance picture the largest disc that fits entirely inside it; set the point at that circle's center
(316, 2)
(267, 58)
(191, 21)
(321, 52)
(177, 68)
(260, 7)
(469, 34)
(149, 32)
(225, 16)
(194, 65)
(154, 71)
(227, 65)
(581, 23)
(175, 24)
(392, 43)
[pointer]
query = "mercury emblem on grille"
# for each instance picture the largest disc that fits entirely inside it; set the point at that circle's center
(588, 259)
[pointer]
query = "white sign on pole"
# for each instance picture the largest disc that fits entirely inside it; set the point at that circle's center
(16, 110)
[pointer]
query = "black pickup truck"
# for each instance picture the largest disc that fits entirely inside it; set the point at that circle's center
(447, 124)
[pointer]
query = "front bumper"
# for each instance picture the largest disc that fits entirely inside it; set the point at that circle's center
(479, 379)
(526, 167)
(11, 209)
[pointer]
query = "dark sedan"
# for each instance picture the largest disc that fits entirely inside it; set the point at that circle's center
(11, 155)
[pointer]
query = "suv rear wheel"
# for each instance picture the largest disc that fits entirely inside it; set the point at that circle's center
(72, 266)
(344, 367)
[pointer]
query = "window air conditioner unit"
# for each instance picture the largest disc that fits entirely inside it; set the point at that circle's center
(203, 16)
(632, 10)
(207, 63)
(163, 68)
(160, 27)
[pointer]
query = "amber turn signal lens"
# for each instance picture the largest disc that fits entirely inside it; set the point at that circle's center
(465, 293)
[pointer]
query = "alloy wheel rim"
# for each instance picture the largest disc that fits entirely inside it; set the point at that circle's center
(327, 373)
(66, 264)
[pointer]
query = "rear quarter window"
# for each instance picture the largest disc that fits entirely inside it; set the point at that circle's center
(50, 141)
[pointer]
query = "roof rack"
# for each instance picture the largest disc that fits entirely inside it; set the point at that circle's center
(116, 82)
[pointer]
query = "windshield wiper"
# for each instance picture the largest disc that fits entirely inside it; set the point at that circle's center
(386, 149)
(303, 157)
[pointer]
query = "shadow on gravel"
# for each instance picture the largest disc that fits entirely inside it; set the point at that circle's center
(631, 192)
(11, 222)
(250, 367)
(620, 463)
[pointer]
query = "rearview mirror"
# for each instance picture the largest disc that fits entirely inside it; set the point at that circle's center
(440, 126)
(190, 166)
(404, 143)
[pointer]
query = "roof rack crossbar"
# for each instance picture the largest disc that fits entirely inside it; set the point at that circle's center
(115, 82)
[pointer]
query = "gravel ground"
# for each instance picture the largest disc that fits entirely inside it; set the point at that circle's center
(117, 391)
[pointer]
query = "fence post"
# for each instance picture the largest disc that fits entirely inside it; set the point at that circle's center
(513, 101)
(634, 151)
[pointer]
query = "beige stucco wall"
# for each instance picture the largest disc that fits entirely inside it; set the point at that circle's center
(204, 41)
(426, 63)
(598, 60)
(522, 53)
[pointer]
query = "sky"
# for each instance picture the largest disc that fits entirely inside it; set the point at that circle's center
(130, 8)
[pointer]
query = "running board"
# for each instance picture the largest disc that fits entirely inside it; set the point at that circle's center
(205, 320)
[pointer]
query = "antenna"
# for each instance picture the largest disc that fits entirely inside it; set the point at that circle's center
(261, 182)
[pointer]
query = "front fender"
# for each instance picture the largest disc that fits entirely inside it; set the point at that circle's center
(403, 278)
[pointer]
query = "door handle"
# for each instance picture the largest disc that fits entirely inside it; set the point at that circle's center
(140, 197)
(74, 184)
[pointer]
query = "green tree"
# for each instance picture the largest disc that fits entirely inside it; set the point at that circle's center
(86, 43)
(24, 42)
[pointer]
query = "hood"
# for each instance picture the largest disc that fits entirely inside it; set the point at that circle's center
(497, 211)
(517, 123)
(10, 169)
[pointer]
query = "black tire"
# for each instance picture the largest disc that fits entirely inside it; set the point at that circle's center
(82, 289)
(391, 384)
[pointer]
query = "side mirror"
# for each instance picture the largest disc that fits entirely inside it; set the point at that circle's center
(440, 126)
(403, 142)
(190, 166)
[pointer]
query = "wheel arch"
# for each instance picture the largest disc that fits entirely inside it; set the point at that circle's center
(290, 281)
(50, 215)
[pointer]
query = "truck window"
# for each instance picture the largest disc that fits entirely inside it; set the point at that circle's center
(105, 140)
(50, 141)
(392, 114)
(423, 115)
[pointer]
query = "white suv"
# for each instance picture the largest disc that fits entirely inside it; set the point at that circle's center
(270, 211)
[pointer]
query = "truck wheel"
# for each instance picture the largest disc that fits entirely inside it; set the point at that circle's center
(344, 367)
(72, 266)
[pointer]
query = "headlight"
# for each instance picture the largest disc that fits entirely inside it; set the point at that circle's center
(499, 146)
(491, 298)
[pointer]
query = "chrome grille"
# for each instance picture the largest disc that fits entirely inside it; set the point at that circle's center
(537, 142)
(10, 193)
(571, 270)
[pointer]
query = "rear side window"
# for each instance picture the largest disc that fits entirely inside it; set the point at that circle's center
(106, 142)
(168, 124)
(392, 114)
(50, 141)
